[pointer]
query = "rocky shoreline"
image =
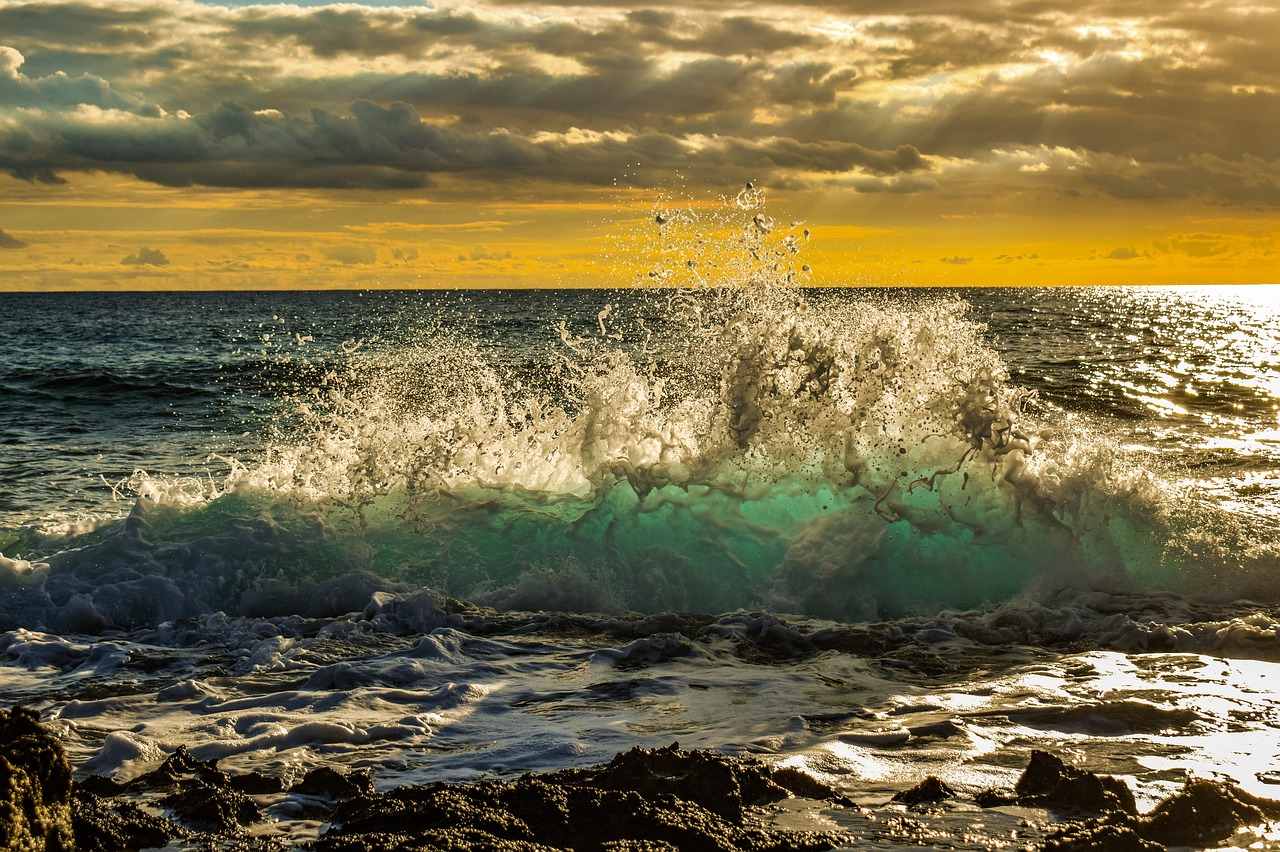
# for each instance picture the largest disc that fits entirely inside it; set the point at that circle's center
(644, 800)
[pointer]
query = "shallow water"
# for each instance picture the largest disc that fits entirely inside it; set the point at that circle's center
(451, 536)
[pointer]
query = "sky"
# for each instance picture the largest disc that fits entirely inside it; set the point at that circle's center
(174, 144)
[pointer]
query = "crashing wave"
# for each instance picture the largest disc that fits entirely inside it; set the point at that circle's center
(719, 439)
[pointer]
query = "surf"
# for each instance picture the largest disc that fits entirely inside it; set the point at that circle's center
(720, 438)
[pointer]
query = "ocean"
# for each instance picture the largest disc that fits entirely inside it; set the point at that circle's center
(870, 534)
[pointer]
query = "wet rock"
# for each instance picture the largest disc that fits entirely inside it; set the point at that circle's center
(1086, 793)
(807, 787)
(928, 791)
(1044, 772)
(1204, 813)
(179, 766)
(331, 784)
(217, 809)
(642, 801)
(1049, 783)
(992, 798)
(256, 784)
(102, 826)
(1113, 834)
(35, 785)
(720, 786)
(101, 785)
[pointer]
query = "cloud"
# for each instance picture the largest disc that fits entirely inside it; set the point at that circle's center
(1160, 102)
(9, 241)
(1123, 253)
(956, 260)
(392, 147)
(55, 90)
(1202, 245)
(146, 257)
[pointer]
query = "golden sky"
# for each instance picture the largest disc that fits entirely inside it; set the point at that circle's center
(180, 144)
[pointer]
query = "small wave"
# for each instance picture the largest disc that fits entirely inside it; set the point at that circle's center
(109, 386)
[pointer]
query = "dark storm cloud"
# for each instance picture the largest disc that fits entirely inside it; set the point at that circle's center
(627, 94)
(388, 147)
(1158, 99)
(82, 23)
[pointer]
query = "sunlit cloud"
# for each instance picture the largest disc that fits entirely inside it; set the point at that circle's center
(987, 110)
(392, 97)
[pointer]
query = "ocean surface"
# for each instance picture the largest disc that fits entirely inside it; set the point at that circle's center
(872, 534)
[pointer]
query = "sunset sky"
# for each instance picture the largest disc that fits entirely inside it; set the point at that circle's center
(179, 144)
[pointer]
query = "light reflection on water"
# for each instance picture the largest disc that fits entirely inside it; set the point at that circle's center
(1211, 354)
(1188, 377)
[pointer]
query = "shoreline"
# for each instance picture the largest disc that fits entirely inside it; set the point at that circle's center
(644, 799)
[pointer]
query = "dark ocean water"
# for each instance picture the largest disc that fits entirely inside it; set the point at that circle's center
(443, 534)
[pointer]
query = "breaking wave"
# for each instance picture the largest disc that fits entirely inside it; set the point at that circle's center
(721, 439)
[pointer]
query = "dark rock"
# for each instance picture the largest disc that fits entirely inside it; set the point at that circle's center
(449, 840)
(807, 787)
(1049, 783)
(1113, 834)
(35, 785)
(928, 791)
(642, 801)
(1087, 793)
(217, 809)
(720, 786)
(1204, 813)
(332, 784)
(992, 798)
(101, 785)
(1044, 772)
(179, 766)
(102, 826)
(256, 784)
